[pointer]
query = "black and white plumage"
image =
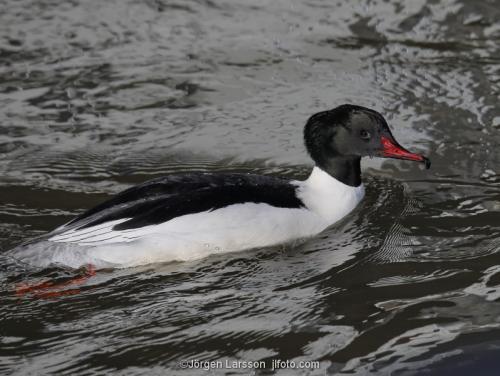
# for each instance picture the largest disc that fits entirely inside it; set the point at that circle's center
(189, 216)
(160, 200)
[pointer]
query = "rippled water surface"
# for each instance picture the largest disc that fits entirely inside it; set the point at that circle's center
(96, 96)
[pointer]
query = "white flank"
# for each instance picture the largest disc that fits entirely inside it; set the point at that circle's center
(193, 236)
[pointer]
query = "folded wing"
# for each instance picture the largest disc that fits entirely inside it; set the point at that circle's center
(126, 216)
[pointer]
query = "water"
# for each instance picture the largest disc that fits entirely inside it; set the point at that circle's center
(97, 96)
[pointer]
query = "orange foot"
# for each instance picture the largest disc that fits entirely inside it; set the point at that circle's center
(51, 289)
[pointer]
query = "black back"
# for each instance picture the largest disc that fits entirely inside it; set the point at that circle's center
(159, 200)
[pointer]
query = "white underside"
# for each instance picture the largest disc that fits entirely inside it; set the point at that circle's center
(193, 236)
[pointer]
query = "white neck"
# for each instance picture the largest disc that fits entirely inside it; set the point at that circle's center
(328, 197)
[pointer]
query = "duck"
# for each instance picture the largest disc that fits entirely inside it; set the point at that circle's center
(189, 216)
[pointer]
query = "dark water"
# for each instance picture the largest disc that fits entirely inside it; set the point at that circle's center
(96, 96)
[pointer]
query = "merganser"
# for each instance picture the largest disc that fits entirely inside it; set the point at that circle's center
(192, 215)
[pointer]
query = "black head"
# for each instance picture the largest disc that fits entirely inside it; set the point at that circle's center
(339, 138)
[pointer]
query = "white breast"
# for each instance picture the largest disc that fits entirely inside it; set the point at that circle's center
(328, 197)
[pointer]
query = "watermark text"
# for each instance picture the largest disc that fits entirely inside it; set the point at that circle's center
(273, 364)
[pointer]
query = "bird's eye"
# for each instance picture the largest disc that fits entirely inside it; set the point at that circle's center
(365, 135)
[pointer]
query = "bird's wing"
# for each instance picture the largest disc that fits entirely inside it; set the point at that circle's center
(160, 200)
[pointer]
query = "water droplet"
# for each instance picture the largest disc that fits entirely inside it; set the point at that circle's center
(71, 93)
